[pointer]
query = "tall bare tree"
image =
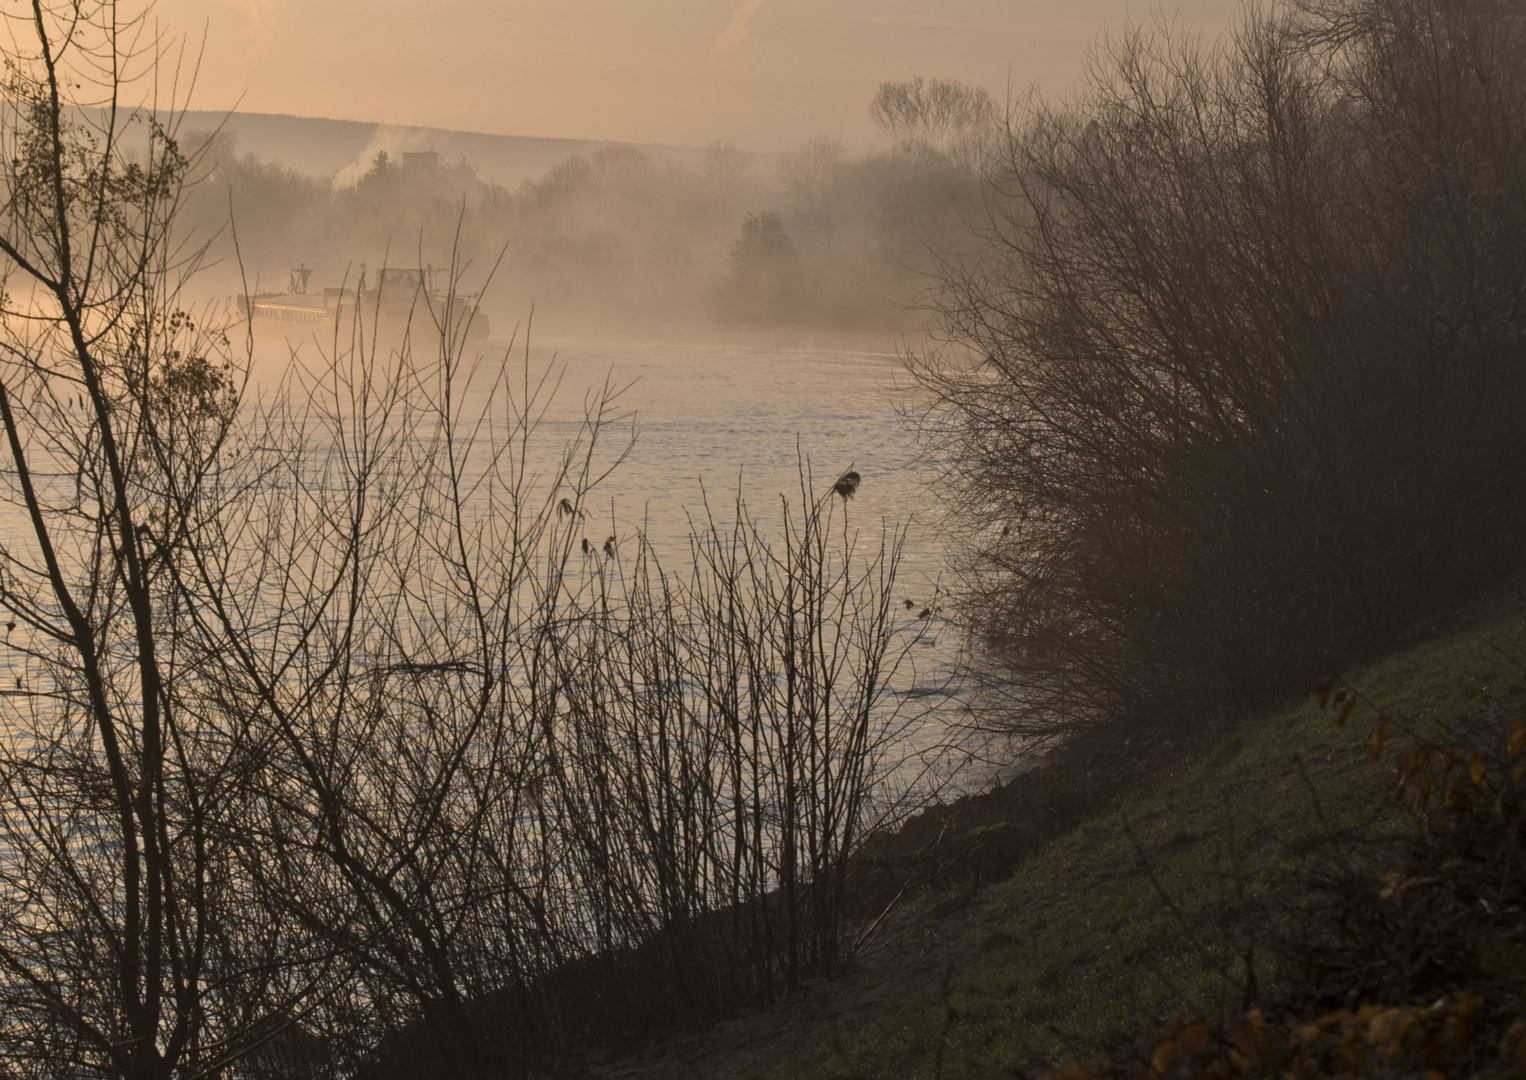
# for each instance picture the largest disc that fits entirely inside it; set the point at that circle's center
(130, 942)
(810, 174)
(943, 117)
(723, 165)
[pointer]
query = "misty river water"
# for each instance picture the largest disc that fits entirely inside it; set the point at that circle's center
(729, 417)
(712, 420)
(717, 415)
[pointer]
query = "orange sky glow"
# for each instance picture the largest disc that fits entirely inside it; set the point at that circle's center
(763, 73)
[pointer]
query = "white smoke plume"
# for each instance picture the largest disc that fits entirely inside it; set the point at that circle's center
(729, 38)
(395, 141)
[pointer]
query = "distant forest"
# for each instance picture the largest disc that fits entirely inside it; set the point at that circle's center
(612, 240)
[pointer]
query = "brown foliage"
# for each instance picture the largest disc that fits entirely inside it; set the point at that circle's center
(1417, 970)
(1455, 1036)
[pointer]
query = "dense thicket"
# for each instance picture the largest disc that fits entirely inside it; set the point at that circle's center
(1235, 390)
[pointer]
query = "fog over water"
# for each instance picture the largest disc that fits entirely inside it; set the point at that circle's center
(743, 288)
(712, 420)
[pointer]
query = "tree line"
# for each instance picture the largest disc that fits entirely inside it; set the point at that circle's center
(617, 239)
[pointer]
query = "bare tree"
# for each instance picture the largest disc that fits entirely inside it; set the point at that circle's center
(1233, 394)
(723, 166)
(943, 117)
(527, 787)
(809, 173)
(130, 942)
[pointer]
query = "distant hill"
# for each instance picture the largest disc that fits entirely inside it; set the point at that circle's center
(344, 148)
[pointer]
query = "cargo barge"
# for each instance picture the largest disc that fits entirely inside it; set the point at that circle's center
(404, 299)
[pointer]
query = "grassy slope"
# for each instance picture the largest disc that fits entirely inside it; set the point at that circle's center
(1148, 909)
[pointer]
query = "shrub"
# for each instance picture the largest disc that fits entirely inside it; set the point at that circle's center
(1234, 390)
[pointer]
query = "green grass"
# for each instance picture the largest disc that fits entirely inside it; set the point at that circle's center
(1147, 910)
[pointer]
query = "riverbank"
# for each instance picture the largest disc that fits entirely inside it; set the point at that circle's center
(1135, 911)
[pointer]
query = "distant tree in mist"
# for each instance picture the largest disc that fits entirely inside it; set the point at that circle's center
(572, 174)
(809, 176)
(607, 169)
(763, 265)
(722, 166)
(763, 247)
(941, 116)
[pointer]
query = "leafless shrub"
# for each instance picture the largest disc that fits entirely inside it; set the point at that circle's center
(132, 942)
(1234, 392)
(529, 789)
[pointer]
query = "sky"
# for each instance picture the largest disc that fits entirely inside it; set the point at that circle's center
(763, 73)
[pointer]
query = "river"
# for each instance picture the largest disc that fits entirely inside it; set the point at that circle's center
(711, 420)
(726, 416)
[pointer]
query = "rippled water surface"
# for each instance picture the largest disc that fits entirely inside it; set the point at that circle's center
(730, 418)
(711, 420)
(726, 416)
